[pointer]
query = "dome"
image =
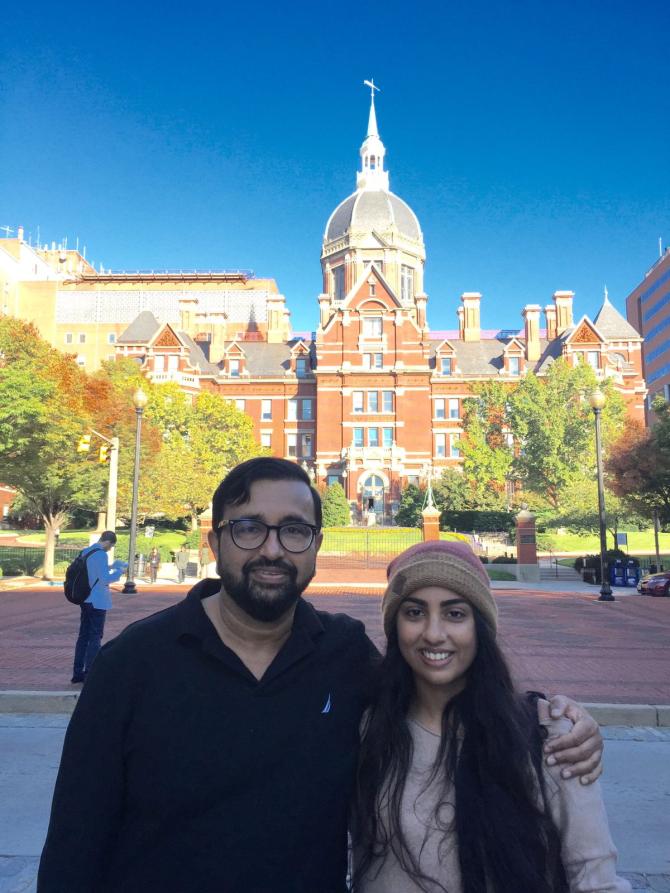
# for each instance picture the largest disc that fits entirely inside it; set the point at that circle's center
(373, 210)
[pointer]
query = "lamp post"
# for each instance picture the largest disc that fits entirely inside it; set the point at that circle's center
(597, 401)
(140, 400)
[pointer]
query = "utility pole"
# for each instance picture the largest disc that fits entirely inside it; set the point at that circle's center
(113, 483)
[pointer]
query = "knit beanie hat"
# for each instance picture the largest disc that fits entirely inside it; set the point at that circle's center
(452, 565)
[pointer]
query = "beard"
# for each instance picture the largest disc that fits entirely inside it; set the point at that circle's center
(262, 602)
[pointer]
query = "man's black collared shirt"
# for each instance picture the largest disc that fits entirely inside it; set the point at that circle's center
(181, 772)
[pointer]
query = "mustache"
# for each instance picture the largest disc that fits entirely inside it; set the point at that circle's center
(263, 562)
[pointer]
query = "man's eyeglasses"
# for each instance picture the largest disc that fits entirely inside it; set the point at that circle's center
(294, 536)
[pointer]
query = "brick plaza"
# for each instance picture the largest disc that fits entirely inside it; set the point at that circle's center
(558, 642)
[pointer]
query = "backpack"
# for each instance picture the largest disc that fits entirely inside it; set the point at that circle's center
(76, 585)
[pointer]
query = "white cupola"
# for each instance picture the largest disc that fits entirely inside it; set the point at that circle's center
(372, 174)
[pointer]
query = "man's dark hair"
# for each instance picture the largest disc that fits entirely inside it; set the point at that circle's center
(108, 536)
(235, 488)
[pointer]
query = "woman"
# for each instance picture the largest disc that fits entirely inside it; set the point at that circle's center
(154, 563)
(452, 794)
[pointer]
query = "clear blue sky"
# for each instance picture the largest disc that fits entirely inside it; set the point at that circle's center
(530, 138)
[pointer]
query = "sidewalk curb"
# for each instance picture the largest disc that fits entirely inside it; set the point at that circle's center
(646, 715)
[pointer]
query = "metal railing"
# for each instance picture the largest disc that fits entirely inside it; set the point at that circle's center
(365, 548)
(25, 561)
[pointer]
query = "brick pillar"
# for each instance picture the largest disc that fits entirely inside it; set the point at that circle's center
(205, 520)
(431, 523)
(526, 547)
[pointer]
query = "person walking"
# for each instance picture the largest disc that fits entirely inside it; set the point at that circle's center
(452, 793)
(181, 562)
(214, 745)
(205, 557)
(94, 609)
(154, 564)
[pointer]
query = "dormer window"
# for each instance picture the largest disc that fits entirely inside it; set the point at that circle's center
(234, 368)
(446, 365)
(514, 365)
(301, 367)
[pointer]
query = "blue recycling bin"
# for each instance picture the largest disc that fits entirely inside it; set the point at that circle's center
(617, 573)
(632, 574)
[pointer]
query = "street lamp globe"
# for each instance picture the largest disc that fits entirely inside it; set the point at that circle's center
(140, 399)
(596, 399)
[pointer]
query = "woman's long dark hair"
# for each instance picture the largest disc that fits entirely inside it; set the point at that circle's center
(491, 748)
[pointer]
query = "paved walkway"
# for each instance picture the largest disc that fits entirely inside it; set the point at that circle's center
(557, 641)
(636, 787)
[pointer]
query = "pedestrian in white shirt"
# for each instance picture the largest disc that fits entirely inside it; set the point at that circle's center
(94, 609)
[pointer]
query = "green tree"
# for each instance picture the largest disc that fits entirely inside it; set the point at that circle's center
(200, 442)
(45, 406)
(485, 445)
(412, 500)
(581, 514)
(553, 426)
(335, 507)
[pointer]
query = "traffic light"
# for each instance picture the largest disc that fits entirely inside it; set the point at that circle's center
(103, 455)
(84, 444)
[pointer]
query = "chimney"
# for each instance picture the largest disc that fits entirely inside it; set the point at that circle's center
(187, 307)
(471, 323)
(550, 318)
(531, 317)
(563, 304)
(218, 328)
(276, 326)
(460, 313)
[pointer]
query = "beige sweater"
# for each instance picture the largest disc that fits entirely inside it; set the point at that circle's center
(587, 850)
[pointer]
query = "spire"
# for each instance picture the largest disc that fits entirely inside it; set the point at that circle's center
(372, 174)
(372, 120)
(606, 298)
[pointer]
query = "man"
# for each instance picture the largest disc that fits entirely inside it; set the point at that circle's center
(94, 609)
(205, 557)
(214, 744)
(181, 561)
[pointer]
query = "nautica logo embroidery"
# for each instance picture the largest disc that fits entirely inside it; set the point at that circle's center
(326, 706)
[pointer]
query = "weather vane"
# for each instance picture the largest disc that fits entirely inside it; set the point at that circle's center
(371, 84)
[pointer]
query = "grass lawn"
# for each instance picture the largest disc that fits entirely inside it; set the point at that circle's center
(499, 575)
(171, 539)
(589, 544)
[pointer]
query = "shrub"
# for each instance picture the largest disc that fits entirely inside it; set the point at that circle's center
(478, 520)
(192, 539)
(503, 559)
(335, 507)
(484, 559)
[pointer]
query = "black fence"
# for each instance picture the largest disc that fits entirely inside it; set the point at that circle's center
(26, 561)
(365, 548)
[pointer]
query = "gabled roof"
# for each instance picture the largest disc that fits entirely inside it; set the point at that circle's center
(584, 332)
(370, 269)
(141, 330)
(444, 345)
(612, 325)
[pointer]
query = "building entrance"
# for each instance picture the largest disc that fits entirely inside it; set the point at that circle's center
(372, 498)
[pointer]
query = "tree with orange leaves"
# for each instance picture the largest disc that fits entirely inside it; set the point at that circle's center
(45, 406)
(638, 466)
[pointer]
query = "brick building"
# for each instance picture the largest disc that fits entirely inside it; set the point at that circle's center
(648, 310)
(373, 397)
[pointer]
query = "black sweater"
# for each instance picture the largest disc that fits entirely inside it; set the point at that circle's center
(181, 772)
